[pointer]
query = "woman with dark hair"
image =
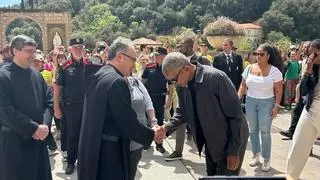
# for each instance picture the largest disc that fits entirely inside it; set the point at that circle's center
(263, 82)
(308, 127)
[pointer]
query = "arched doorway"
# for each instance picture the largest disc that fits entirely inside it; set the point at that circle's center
(27, 27)
(53, 24)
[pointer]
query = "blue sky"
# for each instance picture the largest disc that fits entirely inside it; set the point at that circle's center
(8, 2)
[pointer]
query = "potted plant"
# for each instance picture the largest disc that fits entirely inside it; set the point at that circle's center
(220, 29)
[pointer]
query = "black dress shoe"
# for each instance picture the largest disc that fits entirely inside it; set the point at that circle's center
(287, 134)
(69, 169)
(160, 149)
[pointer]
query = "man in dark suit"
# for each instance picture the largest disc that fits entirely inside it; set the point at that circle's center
(229, 62)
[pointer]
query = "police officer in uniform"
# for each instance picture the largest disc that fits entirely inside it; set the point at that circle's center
(156, 84)
(70, 83)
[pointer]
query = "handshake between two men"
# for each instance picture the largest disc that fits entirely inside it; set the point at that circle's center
(159, 133)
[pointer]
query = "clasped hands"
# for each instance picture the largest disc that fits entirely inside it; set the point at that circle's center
(41, 133)
(159, 133)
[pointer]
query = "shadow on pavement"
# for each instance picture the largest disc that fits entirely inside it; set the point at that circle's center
(272, 171)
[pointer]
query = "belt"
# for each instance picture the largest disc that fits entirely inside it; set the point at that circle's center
(110, 138)
(5, 129)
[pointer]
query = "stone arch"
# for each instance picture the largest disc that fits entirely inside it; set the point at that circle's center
(12, 19)
(47, 20)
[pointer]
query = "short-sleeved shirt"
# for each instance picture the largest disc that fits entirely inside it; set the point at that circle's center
(155, 80)
(293, 70)
(72, 79)
(261, 87)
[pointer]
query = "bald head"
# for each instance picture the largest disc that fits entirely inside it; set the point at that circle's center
(187, 46)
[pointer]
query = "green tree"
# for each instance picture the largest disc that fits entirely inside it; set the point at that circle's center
(274, 36)
(26, 27)
(284, 44)
(297, 19)
(245, 45)
(275, 20)
(100, 22)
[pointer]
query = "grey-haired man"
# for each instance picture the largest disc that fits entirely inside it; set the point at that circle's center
(109, 122)
(208, 101)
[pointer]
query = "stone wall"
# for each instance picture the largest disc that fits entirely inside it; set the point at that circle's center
(61, 21)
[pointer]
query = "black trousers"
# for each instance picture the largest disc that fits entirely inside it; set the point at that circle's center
(135, 157)
(158, 105)
(50, 141)
(73, 116)
(63, 129)
(220, 167)
(295, 115)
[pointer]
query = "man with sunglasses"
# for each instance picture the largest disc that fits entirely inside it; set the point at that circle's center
(204, 47)
(70, 83)
(187, 48)
(209, 103)
(156, 84)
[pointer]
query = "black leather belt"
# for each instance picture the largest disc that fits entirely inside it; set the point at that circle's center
(110, 138)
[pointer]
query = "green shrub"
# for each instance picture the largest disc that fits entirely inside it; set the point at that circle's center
(223, 26)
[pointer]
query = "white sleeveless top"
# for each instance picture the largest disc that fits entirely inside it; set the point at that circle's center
(261, 87)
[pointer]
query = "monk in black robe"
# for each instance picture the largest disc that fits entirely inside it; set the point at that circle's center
(23, 111)
(109, 122)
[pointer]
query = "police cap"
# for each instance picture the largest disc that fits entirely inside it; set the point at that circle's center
(76, 41)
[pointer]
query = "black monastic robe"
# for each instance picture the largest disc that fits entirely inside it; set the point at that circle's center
(23, 106)
(108, 125)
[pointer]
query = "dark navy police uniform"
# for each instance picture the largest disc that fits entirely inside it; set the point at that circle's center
(71, 77)
(156, 84)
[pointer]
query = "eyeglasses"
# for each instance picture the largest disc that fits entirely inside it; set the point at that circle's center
(132, 58)
(29, 51)
(203, 45)
(258, 54)
(175, 79)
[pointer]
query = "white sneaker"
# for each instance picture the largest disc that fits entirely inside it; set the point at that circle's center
(266, 166)
(254, 161)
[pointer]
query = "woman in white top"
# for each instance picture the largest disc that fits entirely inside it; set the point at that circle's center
(263, 82)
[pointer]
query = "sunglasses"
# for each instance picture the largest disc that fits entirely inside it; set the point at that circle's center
(128, 56)
(258, 54)
(175, 79)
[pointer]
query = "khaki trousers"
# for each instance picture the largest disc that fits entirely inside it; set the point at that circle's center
(306, 133)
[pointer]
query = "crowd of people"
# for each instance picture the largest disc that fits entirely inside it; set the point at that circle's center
(110, 104)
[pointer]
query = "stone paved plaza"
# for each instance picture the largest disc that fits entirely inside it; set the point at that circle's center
(152, 165)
